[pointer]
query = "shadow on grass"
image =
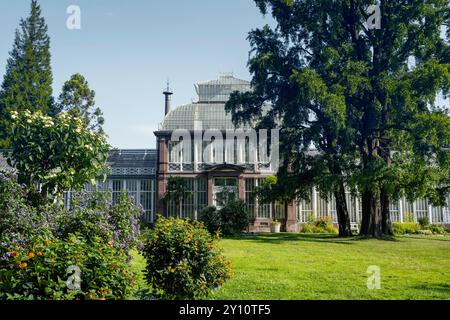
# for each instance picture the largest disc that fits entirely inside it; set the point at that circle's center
(441, 288)
(429, 238)
(277, 238)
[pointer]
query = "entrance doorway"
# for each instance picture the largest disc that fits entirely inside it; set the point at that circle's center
(225, 190)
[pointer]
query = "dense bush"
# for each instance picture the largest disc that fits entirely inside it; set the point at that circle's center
(94, 215)
(424, 222)
(405, 228)
(231, 219)
(320, 225)
(437, 229)
(18, 219)
(38, 270)
(183, 260)
(211, 218)
(34, 269)
(415, 228)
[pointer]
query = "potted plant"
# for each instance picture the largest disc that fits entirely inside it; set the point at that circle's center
(275, 226)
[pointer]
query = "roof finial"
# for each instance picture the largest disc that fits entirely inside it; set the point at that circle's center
(167, 93)
(168, 85)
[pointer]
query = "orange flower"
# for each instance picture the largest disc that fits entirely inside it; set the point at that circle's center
(102, 298)
(40, 253)
(23, 265)
(14, 254)
(30, 255)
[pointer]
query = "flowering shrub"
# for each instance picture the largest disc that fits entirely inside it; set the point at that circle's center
(60, 153)
(38, 270)
(18, 219)
(232, 219)
(94, 215)
(31, 268)
(183, 260)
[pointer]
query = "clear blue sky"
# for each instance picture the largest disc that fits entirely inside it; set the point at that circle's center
(128, 48)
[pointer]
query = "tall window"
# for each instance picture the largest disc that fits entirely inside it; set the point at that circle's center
(256, 208)
(195, 200)
(117, 187)
(147, 198)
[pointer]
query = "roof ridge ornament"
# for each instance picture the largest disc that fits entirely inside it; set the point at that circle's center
(167, 93)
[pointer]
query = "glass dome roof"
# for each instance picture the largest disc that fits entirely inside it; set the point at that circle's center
(210, 109)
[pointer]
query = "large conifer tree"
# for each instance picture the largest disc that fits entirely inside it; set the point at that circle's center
(364, 98)
(27, 83)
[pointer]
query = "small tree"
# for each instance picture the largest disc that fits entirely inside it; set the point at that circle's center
(58, 154)
(77, 97)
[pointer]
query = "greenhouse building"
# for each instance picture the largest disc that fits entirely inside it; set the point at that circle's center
(186, 147)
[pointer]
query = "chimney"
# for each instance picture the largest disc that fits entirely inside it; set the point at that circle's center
(167, 93)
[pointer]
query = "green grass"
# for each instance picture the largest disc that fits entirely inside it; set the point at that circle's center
(303, 266)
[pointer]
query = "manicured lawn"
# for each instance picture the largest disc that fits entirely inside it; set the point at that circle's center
(298, 266)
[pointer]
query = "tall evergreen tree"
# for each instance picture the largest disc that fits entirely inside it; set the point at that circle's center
(27, 83)
(354, 94)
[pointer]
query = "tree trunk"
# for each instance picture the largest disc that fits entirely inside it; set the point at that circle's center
(384, 196)
(371, 224)
(385, 214)
(342, 213)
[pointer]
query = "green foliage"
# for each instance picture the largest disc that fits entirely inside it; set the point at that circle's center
(91, 215)
(437, 229)
(106, 232)
(60, 153)
(95, 216)
(211, 218)
(232, 219)
(425, 232)
(183, 260)
(38, 270)
(424, 222)
(77, 97)
(27, 83)
(320, 225)
(18, 219)
(352, 94)
(405, 228)
(418, 228)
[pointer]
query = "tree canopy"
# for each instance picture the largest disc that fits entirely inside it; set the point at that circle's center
(77, 97)
(59, 154)
(358, 106)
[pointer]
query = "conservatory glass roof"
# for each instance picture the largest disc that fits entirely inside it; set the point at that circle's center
(210, 109)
